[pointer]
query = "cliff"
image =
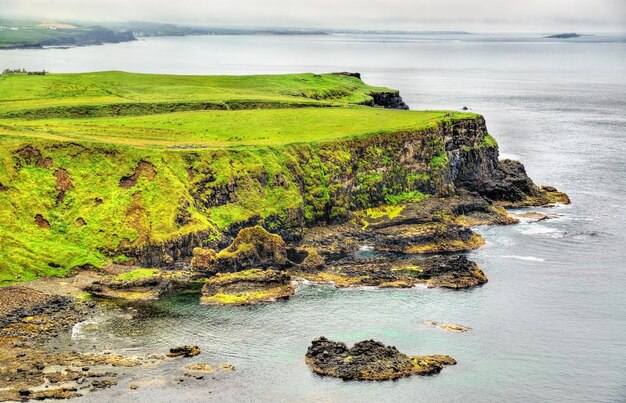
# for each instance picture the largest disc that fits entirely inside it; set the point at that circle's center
(67, 204)
(70, 202)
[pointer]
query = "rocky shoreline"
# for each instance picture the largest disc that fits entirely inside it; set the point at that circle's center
(388, 211)
(37, 364)
(388, 247)
(369, 360)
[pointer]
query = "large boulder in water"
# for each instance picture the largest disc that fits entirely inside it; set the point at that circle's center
(253, 247)
(369, 360)
(247, 287)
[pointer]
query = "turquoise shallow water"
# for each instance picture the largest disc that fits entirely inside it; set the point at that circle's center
(548, 326)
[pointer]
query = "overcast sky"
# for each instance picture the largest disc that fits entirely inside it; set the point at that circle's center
(469, 15)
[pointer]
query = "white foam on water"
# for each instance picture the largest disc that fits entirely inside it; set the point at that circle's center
(77, 329)
(527, 258)
(536, 229)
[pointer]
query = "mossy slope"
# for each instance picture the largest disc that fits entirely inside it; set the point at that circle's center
(67, 204)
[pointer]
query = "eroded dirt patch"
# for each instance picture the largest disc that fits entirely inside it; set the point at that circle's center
(64, 183)
(42, 222)
(143, 168)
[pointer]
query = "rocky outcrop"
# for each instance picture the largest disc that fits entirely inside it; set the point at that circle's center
(247, 287)
(396, 271)
(452, 272)
(388, 100)
(433, 225)
(369, 361)
(253, 247)
(504, 182)
(138, 284)
(184, 351)
(203, 259)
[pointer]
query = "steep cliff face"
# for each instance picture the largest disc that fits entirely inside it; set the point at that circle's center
(322, 184)
(66, 205)
(389, 99)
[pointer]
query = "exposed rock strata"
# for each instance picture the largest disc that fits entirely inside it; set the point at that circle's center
(455, 272)
(450, 159)
(369, 361)
(247, 287)
(434, 225)
(138, 284)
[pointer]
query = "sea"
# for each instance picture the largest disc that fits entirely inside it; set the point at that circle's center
(549, 326)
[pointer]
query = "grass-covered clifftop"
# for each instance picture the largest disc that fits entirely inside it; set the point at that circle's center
(117, 93)
(84, 180)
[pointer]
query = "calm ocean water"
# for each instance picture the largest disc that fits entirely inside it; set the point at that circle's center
(549, 325)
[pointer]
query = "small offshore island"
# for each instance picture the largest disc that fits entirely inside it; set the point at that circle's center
(121, 186)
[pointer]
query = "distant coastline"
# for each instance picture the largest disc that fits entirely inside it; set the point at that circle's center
(566, 35)
(22, 34)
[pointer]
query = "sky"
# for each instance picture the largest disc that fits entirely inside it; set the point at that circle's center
(422, 15)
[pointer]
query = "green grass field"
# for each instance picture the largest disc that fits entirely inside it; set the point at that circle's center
(217, 111)
(94, 165)
(259, 127)
(118, 93)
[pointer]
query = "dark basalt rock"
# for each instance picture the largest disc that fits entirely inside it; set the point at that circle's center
(509, 182)
(369, 360)
(184, 351)
(388, 100)
(455, 272)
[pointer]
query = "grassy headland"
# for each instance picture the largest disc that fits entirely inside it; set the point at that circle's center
(97, 167)
(34, 34)
(116, 93)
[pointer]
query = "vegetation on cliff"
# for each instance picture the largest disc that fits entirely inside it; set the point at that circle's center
(126, 167)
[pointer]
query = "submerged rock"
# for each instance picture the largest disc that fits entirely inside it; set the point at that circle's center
(369, 360)
(206, 368)
(247, 287)
(533, 216)
(184, 351)
(450, 327)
